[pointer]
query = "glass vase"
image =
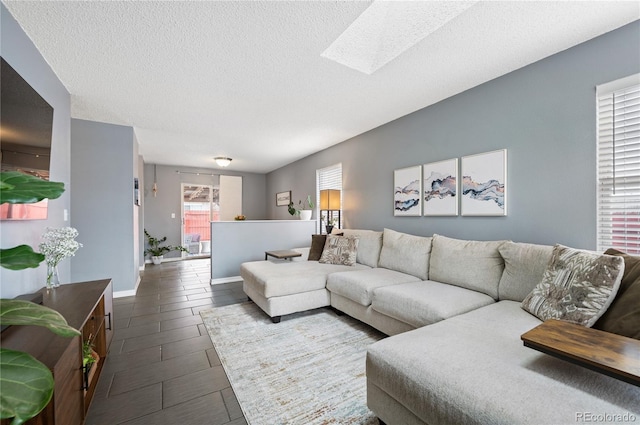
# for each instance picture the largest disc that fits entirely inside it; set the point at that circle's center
(53, 279)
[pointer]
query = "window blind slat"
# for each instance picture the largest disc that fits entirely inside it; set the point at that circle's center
(328, 178)
(619, 168)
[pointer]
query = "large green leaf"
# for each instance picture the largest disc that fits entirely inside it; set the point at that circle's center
(20, 312)
(27, 386)
(20, 257)
(20, 188)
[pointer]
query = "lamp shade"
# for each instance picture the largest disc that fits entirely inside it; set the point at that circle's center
(329, 199)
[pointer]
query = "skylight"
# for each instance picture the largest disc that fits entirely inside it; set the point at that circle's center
(386, 29)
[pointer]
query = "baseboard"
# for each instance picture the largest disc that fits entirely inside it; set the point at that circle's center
(164, 260)
(221, 280)
(130, 293)
(122, 294)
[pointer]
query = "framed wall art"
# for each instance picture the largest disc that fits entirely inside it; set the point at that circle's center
(407, 197)
(440, 188)
(283, 198)
(484, 184)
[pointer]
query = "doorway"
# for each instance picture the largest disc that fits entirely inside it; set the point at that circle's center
(200, 206)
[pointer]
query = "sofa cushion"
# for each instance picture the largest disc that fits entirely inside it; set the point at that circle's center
(340, 250)
(405, 253)
(369, 245)
(474, 369)
(475, 265)
(426, 302)
(359, 285)
(623, 315)
(277, 278)
(524, 266)
(578, 286)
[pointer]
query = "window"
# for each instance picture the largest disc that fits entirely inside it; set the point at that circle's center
(619, 165)
(328, 178)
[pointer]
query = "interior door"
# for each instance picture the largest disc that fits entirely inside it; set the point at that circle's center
(199, 207)
(230, 197)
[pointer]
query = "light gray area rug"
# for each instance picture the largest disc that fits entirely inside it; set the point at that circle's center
(307, 369)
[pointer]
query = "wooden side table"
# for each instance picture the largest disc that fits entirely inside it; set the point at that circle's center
(613, 355)
(286, 254)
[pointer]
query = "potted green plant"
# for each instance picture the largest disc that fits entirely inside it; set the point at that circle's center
(157, 252)
(26, 385)
(304, 211)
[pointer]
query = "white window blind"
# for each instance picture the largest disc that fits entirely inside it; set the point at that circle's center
(619, 165)
(328, 178)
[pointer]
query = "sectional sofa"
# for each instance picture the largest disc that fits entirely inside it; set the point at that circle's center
(455, 310)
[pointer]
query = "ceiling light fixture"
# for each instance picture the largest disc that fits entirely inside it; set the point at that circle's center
(386, 29)
(222, 161)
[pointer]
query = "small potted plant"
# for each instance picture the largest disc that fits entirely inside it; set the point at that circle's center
(157, 252)
(304, 211)
(89, 358)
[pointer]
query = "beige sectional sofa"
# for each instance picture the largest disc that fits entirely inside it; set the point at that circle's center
(453, 308)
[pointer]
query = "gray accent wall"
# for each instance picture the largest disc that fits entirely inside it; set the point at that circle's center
(545, 116)
(158, 209)
(18, 50)
(104, 160)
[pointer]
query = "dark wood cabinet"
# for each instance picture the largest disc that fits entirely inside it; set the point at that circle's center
(88, 307)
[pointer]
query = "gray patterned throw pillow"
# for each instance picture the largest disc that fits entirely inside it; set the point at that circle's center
(578, 286)
(340, 250)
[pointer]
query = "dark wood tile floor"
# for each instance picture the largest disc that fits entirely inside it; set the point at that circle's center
(162, 367)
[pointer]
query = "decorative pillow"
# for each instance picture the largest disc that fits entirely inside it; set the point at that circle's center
(340, 250)
(623, 316)
(578, 286)
(317, 246)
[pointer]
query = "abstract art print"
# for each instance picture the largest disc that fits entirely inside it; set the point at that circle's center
(440, 183)
(407, 199)
(484, 184)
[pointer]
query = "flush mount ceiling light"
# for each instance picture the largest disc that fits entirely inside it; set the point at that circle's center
(388, 28)
(222, 161)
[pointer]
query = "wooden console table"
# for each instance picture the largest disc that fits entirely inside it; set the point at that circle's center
(613, 355)
(88, 307)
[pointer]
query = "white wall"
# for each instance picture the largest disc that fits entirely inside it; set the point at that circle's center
(235, 242)
(157, 210)
(544, 115)
(104, 161)
(22, 55)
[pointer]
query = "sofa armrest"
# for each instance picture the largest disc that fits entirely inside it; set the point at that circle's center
(304, 252)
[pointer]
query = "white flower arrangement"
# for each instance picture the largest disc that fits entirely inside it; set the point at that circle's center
(329, 222)
(58, 244)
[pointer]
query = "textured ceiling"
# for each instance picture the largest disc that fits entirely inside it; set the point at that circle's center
(246, 79)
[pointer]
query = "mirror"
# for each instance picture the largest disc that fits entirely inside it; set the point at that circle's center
(26, 123)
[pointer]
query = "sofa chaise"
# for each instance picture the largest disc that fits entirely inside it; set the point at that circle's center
(454, 310)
